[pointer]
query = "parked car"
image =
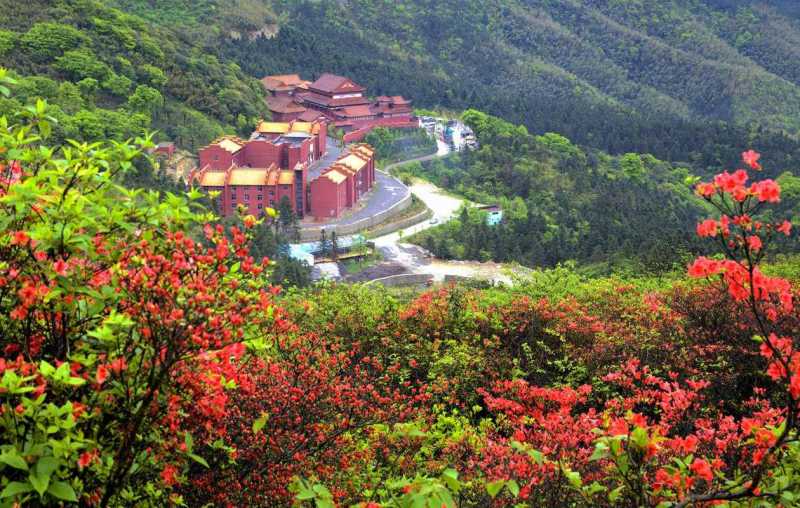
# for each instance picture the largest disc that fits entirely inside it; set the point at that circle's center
(433, 220)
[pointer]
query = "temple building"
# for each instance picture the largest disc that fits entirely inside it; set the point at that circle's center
(339, 99)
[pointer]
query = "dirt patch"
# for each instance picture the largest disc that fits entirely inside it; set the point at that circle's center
(377, 271)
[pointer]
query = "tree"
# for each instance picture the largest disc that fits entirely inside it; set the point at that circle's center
(334, 246)
(82, 63)
(145, 99)
(48, 40)
(324, 243)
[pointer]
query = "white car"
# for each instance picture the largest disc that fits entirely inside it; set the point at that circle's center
(433, 220)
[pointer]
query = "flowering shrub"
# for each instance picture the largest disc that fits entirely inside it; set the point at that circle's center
(113, 317)
(146, 362)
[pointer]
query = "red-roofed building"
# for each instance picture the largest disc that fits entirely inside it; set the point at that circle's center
(286, 147)
(283, 84)
(343, 184)
(337, 98)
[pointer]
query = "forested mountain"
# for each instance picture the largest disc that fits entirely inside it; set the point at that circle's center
(686, 80)
(112, 74)
(561, 202)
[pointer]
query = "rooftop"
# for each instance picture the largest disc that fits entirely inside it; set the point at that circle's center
(334, 176)
(286, 177)
(249, 176)
(331, 83)
(213, 179)
(284, 105)
(273, 127)
(355, 111)
(283, 82)
(230, 144)
(353, 162)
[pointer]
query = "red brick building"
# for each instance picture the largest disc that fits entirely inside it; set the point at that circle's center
(278, 153)
(254, 188)
(343, 183)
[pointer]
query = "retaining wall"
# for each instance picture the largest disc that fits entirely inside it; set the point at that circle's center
(406, 279)
(385, 229)
(312, 233)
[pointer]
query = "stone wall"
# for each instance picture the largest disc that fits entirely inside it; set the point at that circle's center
(406, 279)
(312, 233)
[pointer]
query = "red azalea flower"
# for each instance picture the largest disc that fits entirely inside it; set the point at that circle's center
(102, 374)
(750, 158)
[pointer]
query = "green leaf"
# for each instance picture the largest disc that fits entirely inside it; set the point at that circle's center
(259, 423)
(14, 459)
(513, 487)
(46, 369)
(198, 459)
(63, 491)
(322, 491)
(600, 452)
(39, 482)
(640, 438)
(15, 488)
(494, 488)
(450, 477)
(574, 478)
(613, 496)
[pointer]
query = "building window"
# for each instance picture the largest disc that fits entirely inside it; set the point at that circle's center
(260, 198)
(259, 206)
(247, 197)
(271, 202)
(271, 193)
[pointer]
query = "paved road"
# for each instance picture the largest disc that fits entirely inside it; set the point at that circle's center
(387, 192)
(334, 150)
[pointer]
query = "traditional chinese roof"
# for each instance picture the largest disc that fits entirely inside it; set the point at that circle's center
(301, 127)
(273, 127)
(283, 82)
(230, 144)
(354, 111)
(331, 83)
(310, 115)
(286, 177)
(282, 104)
(334, 176)
(212, 179)
(330, 102)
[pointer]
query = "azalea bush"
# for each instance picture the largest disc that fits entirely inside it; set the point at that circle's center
(115, 322)
(147, 361)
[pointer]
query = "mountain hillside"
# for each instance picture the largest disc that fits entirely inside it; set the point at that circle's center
(623, 76)
(113, 73)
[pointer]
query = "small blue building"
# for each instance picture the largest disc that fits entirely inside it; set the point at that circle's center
(494, 214)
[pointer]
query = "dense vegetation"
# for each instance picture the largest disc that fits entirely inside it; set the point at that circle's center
(394, 145)
(111, 74)
(148, 361)
(685, 80)
(561, 202)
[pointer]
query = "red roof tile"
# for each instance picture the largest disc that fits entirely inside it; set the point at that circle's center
(284, 105)
(332, 83)
(354, 111)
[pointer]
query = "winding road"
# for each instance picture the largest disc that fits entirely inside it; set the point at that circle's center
(413, 258)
